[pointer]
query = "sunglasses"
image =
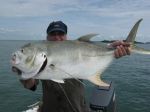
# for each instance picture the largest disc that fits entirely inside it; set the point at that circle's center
(54, 33)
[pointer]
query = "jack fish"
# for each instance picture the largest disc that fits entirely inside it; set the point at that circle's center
(60, 60)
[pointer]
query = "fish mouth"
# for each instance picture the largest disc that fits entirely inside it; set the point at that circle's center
(19, 72)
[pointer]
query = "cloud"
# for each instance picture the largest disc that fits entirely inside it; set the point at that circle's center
(4, 30)
(113, 8)
(19, 8)
(107, 17)
(117, 8)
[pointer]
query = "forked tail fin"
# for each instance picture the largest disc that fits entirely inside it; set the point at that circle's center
(132, 35)
(131, 38)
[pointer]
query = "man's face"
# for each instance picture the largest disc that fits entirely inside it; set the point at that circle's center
(56, 36)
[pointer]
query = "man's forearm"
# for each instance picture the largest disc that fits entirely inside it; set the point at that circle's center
(33, 88)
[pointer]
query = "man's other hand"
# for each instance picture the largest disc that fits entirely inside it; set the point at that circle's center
(122, 48)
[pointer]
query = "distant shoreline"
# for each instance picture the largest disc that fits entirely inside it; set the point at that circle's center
(136, 42)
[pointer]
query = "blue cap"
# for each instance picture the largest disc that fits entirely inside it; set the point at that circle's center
(57, 26)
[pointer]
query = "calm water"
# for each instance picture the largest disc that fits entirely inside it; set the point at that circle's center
(131, 76)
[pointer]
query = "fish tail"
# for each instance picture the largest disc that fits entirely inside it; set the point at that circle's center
(131, 39)
(132, 35)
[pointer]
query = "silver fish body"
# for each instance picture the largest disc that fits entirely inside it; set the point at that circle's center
(59, 60)
(74, 59)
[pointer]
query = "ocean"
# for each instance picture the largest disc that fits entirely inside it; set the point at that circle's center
(130, 74)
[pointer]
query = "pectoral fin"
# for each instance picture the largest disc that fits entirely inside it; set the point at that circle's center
(58, 81)
(95, 79)
(62, 72)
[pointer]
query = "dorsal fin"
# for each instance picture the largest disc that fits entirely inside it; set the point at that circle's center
(86, 38)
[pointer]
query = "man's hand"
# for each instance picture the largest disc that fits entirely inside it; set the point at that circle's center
(122, 48)
(29, 83)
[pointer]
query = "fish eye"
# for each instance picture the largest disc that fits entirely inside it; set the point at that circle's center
(22, 50)
(44, 56)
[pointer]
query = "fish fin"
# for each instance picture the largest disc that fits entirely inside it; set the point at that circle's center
(86, 38)
(59, 81)
(97, 81)
(52, 66)
(132, 35)
(131, 38)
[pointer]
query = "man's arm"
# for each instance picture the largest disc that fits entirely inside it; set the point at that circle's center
(122, 48)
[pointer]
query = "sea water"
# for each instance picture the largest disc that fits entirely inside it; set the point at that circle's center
(131, 75)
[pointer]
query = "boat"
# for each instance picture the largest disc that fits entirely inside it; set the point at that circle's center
(102, 100)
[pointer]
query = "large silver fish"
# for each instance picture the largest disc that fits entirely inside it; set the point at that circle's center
(59, 60)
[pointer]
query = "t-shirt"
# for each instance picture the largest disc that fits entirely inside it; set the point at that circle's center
(63, 97)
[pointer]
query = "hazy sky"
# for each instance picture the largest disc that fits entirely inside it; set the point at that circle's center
(112, 19)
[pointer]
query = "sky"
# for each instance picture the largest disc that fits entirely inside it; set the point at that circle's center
(111, 19)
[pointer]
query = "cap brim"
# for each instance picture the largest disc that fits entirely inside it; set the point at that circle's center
(57, 29)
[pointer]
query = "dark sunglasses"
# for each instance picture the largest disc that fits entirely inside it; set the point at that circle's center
(54, 33)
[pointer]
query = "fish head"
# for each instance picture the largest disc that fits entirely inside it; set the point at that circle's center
(29, 60)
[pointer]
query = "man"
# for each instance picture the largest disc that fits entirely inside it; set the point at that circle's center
(67, 97)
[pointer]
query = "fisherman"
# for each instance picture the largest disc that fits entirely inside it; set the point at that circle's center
(69, 96)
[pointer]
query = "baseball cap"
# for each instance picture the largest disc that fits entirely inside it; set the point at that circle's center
(57, 26)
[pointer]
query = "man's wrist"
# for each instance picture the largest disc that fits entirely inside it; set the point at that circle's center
(33, 88)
